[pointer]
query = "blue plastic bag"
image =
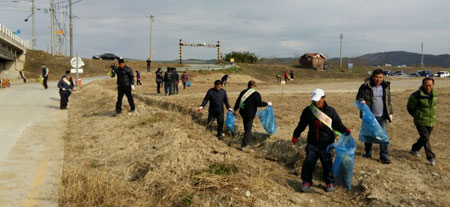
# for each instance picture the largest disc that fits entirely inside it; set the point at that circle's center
(371, 131)
(345, 160)
(268, 120)
(188, 83)
(230, 120)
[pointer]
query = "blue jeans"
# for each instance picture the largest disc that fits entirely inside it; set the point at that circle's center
(383, 147)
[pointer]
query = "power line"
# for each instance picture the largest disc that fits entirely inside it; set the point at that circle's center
(114, 17)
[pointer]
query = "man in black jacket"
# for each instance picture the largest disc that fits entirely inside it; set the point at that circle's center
(125, 83)
(159, 80)
(247, 103)
(216, 97)
(44, 74)
(169, 78)
(322, 120)
(377, 95)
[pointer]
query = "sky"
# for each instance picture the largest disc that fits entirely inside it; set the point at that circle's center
(284, 28)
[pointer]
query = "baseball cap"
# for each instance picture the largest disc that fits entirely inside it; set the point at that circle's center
(317, 94)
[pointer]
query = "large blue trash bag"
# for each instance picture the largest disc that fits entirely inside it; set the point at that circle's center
(230, 120)
(371, 131)
(268, 120)
(188, 83)
(345, 160)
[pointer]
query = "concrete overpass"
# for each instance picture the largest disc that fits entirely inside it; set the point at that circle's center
(12, 53)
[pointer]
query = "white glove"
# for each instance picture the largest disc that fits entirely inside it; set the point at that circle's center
(391, 117)
(63, 89)
(364, 102)
(269, 103)
(199, 108)
(230, 109)
(132, 87)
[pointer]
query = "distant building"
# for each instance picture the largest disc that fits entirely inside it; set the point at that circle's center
(313, 60)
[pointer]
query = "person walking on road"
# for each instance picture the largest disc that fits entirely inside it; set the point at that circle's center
(376, 93)
(184, 79)
(217, 97)
(44, 75)
(159, 80)
(65, 89)
(247, 103)
(322, 120)
(422, 107)
(138, 78)
(125, 83)
(224, 79)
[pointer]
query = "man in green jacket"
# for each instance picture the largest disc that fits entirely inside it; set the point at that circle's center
(422, 106)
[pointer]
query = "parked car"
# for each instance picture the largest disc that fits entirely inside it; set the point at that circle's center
(414, 74)
(106, 56)
(425, 73)
(387, 73)
(400, 73)
(443, 74)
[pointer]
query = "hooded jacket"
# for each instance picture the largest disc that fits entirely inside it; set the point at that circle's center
(365, 93)
(319, 134)
(422, 107)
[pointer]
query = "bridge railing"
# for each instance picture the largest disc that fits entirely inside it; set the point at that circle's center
(9, 35)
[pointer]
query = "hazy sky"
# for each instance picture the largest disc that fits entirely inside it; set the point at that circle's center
(284, 28)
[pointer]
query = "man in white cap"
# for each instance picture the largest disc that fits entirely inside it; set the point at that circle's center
(322, 121)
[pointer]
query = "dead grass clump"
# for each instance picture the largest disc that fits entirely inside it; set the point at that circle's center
(139, 171)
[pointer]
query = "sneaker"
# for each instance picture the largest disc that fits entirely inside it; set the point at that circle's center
(330, 188)
(306, 187)
(386, 161)
(367, 155)
(432, 162)
(219, 137)
(415, 153)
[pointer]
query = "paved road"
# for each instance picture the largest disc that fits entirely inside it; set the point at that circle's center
(31, 144)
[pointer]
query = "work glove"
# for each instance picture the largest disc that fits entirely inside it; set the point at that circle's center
(230, 109)
(269, 103)
(294, 140)
(132, 87)
(364, 102)
(391, 117)
(347, 131)
(199, 108)
(63, 89)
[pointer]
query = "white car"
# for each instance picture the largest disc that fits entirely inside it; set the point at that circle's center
(443, 74)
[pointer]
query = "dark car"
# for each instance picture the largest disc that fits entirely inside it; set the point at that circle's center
(414, 75)
(387, 73)
(425, 73)
(106, 56)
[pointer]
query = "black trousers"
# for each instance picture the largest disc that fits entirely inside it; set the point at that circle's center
(64, 99)
(124, 90)
(312, 155)
(248, 124)
(45, 82)
(219, 117)
(424, 141)
(138, 82)
(158, 87)
(184, 85)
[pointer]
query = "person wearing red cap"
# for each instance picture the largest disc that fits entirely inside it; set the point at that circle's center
(323, 122)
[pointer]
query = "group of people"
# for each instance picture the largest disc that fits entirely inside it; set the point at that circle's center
(323, 121)
(286, 76)
(170, 80)
(247, 103)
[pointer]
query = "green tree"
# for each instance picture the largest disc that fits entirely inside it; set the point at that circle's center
(241, 57)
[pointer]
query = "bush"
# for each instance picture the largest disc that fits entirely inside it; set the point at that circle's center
(241, 57)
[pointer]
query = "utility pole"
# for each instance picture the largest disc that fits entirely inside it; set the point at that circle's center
(149, 60)
(33, 34)
(70, 28)
(422, 56)
(340, 54)
(52, 27)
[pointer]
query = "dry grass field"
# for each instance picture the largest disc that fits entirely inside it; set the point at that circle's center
(162, 154)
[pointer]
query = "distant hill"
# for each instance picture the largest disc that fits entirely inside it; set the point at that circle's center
(396, 58)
